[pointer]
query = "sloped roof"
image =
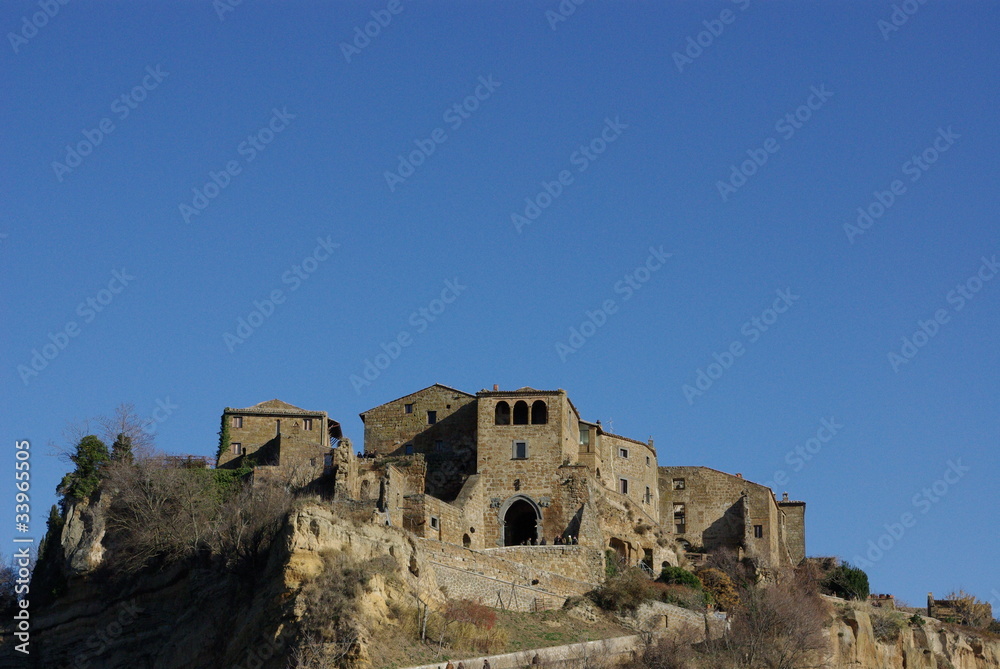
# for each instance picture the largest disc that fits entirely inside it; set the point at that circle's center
(274, 406)
(417, 392)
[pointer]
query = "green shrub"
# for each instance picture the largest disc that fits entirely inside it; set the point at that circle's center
(847, 582)
(679, 576)
(915, 619)
(610, 564)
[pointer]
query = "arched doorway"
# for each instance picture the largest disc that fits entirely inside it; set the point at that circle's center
(521, 519)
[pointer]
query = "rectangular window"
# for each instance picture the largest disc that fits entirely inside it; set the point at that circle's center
(237, 421)
(623, 486)
(236, 448)
(758, 531)
(647, 461)
(408, 449)
(432, 417)
(623, 453)
(585, 436)
(678, 484)
(307, 423)
(520, 450)
(439, 446)
(435, 522)
(649, 496)
(408, 408)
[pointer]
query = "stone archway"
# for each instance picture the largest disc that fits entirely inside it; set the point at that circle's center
(520, 519)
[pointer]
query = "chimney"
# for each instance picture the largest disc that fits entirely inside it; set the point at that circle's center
(738, 475)
(496, 387)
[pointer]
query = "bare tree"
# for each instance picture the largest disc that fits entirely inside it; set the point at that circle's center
(127, 422)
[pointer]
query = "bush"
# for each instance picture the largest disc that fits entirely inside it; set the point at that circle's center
(887, 625)
(610, 564)
(679, 576)
(847, 582)
(683, 596)
(721, 587)
(625, 592)
(915, 619)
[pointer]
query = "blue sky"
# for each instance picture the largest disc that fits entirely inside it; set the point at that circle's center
(650, 133)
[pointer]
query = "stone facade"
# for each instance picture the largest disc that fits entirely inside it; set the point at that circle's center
(707, 509)
(502, 472)
(276, 433)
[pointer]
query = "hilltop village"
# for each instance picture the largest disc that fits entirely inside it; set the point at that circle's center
(511, 475)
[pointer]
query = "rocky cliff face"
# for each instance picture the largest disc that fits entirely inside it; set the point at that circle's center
(197, 617)
(928, 646)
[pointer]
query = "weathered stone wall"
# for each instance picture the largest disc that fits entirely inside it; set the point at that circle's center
(715, 513)
(639, 469)
(795, 529)
(512, 575)
(389, 429)
(261, 428)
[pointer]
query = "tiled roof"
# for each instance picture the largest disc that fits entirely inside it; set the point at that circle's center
(435, 385)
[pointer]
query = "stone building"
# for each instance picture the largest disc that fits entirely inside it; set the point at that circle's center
(500, 471)
(707, 509)
(280, 436)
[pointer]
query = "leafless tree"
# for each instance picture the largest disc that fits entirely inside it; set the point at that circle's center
(127, 421)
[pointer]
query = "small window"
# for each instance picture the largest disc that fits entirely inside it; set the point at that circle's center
(432, 417)
(680, 519)
(435, 522)
(408, 449)
(520, 450)
(307, 423)
(623, 453)
(649, 496)
(758, 531)
(678, 484)
(236, 448)
(237, 421)
(648, 461)
(623, 486)
(408, 408)
(439, 446)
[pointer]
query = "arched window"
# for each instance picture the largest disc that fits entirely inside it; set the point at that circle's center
(466, 540)
(539, 413)
(521, 413)
(502, 414)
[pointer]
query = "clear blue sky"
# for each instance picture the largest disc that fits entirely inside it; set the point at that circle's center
(672, 131)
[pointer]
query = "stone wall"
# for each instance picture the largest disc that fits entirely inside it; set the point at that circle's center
(389, 429)
(638, 467)
(725, 510)
(260, 427)
(520, 580)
